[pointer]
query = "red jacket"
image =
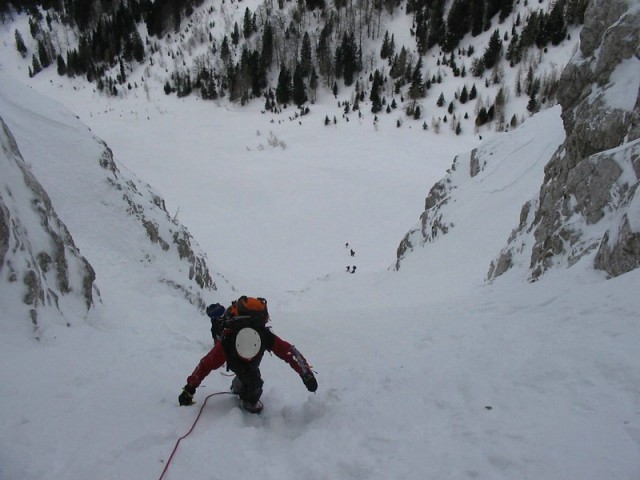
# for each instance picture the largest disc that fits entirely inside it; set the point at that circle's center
(217, 356)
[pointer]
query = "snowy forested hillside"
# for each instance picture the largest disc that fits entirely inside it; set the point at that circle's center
(482, 65)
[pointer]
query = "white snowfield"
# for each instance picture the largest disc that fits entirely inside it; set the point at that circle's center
(424, 373)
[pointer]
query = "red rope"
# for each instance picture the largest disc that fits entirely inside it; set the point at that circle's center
(166, 467)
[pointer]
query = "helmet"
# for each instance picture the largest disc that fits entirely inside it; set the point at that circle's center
(215, 310)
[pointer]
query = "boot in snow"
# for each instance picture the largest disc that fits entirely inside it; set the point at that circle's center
(252, 407)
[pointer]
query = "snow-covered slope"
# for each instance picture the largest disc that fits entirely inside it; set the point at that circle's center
(492, 180)
(41, 267)
(63, 194)
(118, 222)
(426, 372)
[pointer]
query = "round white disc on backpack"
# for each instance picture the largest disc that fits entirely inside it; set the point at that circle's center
(248, 343)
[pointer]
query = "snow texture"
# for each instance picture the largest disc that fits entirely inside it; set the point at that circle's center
(424, 373)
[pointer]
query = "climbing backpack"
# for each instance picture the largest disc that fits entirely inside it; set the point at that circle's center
(244, 312)
(243, 317)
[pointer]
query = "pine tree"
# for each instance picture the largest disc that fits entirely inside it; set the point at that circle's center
(416, 90)
(233, 82)
(530, 32)
(283, 90)
(35, 66)
(422, 30)
(477, 18)
(323, 52)
(500, 99)
(247, 24)
(529, 81)
(458, 23)
(258, 74)
(82, 11)
(313, 83)
(123, 75)
(62, 66)
(399, 64)
(299, 94)
(441, 100)
(347, 60)
(555, 25)
(492, 8)
(473, 93)
(493, 50)
(137, 46)
(20, 46)
(266, 55)
(235, 35)
(376, 102)
(306, 60)
(384, 50)
(482, 117)
(506, 8)
(225, 51)
(513, 50)
(464, 95)
(437, 28)
(574, 13)
(43, 56)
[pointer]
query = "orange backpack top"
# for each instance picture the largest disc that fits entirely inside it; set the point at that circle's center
(254, 307)
(245, 312)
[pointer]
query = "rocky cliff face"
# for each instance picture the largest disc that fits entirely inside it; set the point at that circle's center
(150, 215)
(587, 206)
(481, 195)
(73, 222)
(39, 261)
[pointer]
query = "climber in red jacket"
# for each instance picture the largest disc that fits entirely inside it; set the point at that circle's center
(240, 339)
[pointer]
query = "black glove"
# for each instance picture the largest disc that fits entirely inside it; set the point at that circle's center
(310, 381)
(186, 397)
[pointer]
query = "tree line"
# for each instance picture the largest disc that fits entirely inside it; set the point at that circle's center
(276, 38)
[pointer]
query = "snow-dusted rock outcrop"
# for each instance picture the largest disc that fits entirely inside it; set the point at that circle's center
(587, 206)
(39, 261)
(482, 194)
(73, 221)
